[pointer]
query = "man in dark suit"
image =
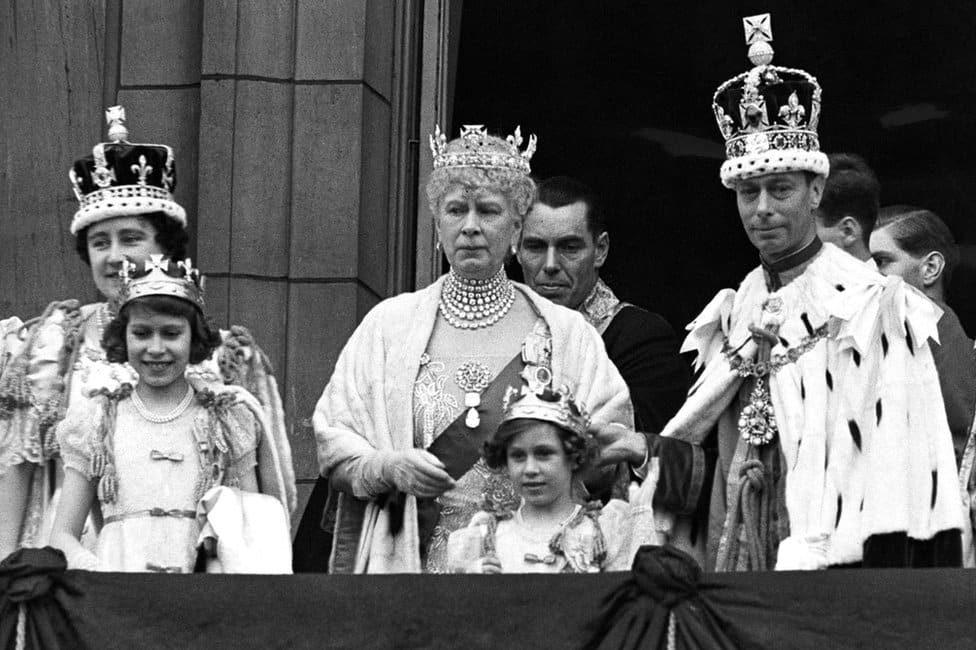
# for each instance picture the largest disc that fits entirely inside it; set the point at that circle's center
(916, 245)
(564, 245)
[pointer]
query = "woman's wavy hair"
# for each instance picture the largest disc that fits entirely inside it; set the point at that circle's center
(519, 188)
(204, 335)
(582, 451)
(170, 235)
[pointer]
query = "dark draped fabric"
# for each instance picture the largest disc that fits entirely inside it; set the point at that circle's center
(827, 609)
(313, 541)
(35, 577)
(644, 348)
(663, 585)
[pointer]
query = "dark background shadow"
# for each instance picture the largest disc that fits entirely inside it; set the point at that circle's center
(619, 94)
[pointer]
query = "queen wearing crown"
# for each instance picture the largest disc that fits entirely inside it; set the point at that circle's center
(418, 387)
(126, 210)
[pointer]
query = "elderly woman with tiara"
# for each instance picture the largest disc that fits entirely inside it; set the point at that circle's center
(418, 387)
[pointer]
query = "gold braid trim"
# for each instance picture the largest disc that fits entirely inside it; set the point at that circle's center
(15, 390)
(590, 511)
(103, 445)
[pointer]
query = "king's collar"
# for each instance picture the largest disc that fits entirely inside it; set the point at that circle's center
(783, 271)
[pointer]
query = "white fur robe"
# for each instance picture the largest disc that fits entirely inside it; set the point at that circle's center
(861, 424)
(367, 406)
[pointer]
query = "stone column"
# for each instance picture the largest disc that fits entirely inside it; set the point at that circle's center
(295, 140)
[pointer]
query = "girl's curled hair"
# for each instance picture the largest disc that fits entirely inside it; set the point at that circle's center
(582, 451)
(204, 335)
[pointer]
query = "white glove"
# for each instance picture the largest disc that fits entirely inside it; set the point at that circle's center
(416, 472)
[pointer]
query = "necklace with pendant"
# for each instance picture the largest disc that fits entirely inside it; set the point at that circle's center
(472, 378)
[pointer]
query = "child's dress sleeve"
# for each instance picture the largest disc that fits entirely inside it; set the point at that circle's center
(76, 433)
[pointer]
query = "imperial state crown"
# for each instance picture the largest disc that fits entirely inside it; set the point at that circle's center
(121, 179)
(768, 115)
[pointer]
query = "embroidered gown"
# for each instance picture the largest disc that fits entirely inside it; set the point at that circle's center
(439, 400)
(151, 524)
(590, 540)
(38, 363)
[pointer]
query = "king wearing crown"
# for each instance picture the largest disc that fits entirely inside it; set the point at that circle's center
(816, 382)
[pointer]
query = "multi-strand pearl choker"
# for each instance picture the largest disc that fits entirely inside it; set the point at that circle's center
(470, 304)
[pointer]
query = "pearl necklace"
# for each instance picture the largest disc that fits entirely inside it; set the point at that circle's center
(470, 304)
(165, 417)
(103, 316)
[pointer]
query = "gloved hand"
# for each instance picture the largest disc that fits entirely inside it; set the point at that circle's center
(416, 472)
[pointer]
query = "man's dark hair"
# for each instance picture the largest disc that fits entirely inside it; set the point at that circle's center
(204, 335)
(170, 235)
(918, 232)
(560, 191)
(852, 189)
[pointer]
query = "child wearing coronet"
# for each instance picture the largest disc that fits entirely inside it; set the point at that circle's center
(151, 441)
(544, 446)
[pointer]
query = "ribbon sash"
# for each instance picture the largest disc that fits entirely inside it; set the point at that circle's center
(459, 446)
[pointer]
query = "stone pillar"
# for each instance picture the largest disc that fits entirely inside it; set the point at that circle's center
(295, 140)
(294, 127)
(51, 55)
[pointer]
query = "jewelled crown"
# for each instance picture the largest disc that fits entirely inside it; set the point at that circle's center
(768, 115)
(161, 277)
(541, 402)
(121, 179)
(476, 148)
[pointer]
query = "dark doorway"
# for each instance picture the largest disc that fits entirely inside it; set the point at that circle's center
(619, 94)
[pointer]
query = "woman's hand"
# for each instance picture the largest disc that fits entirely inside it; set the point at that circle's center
(619, 444)
(491, 565)
(417, 472)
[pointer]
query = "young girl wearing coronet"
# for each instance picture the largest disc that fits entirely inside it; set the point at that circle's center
(126, 210)
(152, 439)
(544, 447)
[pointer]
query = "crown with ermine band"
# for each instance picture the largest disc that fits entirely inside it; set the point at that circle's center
(122, 179)
(769, 114)
(162, 277)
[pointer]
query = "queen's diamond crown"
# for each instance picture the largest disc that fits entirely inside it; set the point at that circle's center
(476, 148)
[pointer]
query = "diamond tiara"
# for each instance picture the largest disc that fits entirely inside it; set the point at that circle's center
(476, 148)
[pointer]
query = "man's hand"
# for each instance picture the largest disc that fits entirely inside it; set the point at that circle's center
(619, 444)
(417, 472)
